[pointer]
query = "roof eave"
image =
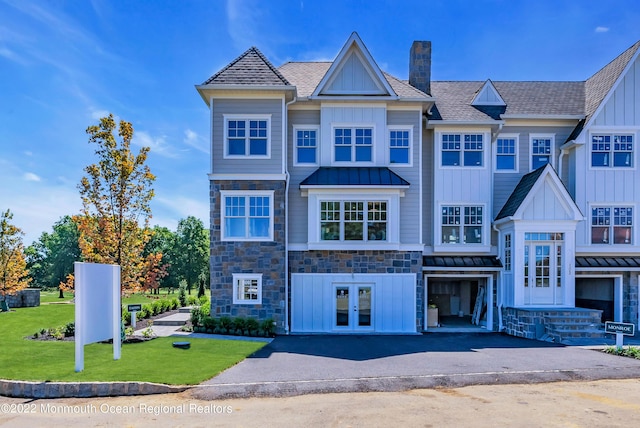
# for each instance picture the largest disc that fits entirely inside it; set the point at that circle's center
(544, 116)
(354, 186)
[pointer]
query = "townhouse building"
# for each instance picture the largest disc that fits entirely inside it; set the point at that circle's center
(344, 199)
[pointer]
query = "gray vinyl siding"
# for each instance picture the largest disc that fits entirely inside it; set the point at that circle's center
(427, 186)
(410, 203)
(272, 165)
(504, 183)
(298, 204)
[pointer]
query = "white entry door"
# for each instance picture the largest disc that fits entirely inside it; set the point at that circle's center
(353, 303)
(543, 273)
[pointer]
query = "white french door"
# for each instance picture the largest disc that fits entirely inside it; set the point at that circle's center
(352, 306)
(543, 272)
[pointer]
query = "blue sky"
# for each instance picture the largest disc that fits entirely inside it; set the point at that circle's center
(64, 64)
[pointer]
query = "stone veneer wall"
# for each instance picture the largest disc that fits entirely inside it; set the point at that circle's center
(523, 323)
(363, 261)
(27, 298)
(229, 257)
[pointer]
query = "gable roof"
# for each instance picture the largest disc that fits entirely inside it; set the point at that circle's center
(354, 176)
(488, 95)
(354, 49)
(529, 185)
(250, 68)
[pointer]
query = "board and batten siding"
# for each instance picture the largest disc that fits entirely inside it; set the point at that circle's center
(623, 106)
(428, 167)
(297, 204)
(272, 165)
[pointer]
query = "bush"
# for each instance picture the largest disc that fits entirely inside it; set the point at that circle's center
(240, 325)
(69, 329)
(268, 328)
(182, 293)
(196, 316)
(126, 315)
(210, 324)
(204, 300)
(157, 307)
(192, 301)
(175, 303)
(225, 324)
(166, 305)
(147, 308)
(252, 326)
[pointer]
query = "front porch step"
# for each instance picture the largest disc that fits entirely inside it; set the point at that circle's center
(575, 323)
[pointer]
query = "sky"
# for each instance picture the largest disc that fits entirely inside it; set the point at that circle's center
(65, 63)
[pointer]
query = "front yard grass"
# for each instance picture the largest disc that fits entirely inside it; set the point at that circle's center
(151, 361)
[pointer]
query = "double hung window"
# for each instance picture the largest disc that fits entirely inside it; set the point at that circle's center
(353, 144)
(460, 224)
(399, 146)
(462, 150)
(541, 151)
(306, 146)
(612, 151)
(353, 220)
(246, 137)
(506, 154)
(247, 217)
(611, 225)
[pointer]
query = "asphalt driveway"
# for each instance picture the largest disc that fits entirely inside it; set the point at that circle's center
(293, 365)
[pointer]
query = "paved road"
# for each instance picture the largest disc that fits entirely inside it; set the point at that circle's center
(294, 365)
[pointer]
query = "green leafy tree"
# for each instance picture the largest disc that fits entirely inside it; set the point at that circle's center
(13, 266)
(192, 251)
(163, 241)
(50, 259)
(115, 199)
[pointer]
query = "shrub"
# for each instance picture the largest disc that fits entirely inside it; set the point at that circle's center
(240, 325)
(126, 315)
(157, 307)
(192, 300)
(210, 324)
(196, 316)
(252, 326)
(182, 293)
(204, 300)
(268, 327)
(175, 303)
(69, 329)
(226, 324)
(147, 308)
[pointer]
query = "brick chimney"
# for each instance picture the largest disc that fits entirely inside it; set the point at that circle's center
(420, 66)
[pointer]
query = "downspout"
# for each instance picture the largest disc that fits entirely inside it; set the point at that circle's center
(285, 133)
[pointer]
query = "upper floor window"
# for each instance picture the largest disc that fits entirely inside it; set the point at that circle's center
(306, 150)
(541, 151)
(353, 144)
(247, 136)
(353, 220)
(247, 216)
(462, 150)
(399, 146)
(462, 224)
(247, 289)
(611, 225)
(612, 151)
(507, 153)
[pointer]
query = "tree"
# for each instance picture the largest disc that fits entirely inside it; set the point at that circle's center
(13, 267)
(192, 251)
(50, 259)
(115, 198)
(163, 242)
(154, 271)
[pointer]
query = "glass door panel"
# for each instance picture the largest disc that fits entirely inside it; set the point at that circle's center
(342, 306)
(364, 306)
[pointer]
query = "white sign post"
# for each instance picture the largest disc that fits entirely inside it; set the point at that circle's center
(98, 310)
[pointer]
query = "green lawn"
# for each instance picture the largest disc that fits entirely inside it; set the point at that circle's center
(152, 361)
(53, 297)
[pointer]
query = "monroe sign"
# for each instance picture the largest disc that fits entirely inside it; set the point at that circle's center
(627, 329)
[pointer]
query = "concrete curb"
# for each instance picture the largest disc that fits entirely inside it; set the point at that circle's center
(24, 389)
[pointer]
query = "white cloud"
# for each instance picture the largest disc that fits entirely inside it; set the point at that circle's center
(30, 176)
(99, 114)
(602, 29)
(158, 145)
(184, 207)
(194, 140)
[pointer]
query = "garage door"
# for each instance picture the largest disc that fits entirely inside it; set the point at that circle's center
(359, 303)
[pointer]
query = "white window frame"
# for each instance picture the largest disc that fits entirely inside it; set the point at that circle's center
(342, 221)
(462, 224)
(551, 137)
(240, 278)
(410, 148)
(611, 152)
(303, 128)
(485, 140)
(611, 226)
(246, 118)
(353, 128)
(246, 194)
(516, 155)
(508, 252)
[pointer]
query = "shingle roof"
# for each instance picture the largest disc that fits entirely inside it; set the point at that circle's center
(250, 68)
(520, 193)
(453, 99)
(354, 176)
(307, 75)
(461, 262)
(608, 262)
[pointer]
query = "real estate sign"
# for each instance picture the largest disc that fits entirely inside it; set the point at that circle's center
(98, 311)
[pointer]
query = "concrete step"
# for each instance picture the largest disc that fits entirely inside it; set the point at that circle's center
(185, 310)
(178, 319)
